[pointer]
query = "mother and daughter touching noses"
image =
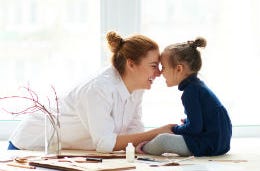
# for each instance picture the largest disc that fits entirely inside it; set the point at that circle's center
(105, 113)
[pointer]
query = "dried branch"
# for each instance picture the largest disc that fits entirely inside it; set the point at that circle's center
(36, 105)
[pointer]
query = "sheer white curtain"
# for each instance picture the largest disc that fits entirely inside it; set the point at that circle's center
(60, 42)
(56, 42)
(230, 61)
(44, 43)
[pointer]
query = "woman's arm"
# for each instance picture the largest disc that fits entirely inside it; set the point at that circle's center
(122, 140)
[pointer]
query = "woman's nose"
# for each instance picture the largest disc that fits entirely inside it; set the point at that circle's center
(157, 72)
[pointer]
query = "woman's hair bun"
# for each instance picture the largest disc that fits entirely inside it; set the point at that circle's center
(114, 41)
(199, 42)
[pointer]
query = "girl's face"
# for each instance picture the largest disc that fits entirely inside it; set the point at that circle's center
(172, 75)
(146, 71)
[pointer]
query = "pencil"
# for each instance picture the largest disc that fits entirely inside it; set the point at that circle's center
(146, 159)
(21, 165)
(227, 160)
(94, 159)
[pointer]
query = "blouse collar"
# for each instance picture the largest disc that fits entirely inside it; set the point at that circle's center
(122, 89)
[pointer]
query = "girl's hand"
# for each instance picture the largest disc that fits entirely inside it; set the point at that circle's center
(183, 121)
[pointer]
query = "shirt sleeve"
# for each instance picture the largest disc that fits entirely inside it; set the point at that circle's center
(192, 107)
(95, 112)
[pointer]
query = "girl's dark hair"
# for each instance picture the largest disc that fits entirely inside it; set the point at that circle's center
(186, 52)
(134, 48)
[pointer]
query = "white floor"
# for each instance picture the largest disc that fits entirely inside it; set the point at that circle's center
(3, 145)
(244, 155)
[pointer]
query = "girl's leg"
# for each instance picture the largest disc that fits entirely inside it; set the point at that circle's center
(167, 143)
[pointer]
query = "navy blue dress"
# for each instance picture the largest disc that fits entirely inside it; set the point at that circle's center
(207, 130)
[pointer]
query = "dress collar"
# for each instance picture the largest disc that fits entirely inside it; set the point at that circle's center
(187, 80)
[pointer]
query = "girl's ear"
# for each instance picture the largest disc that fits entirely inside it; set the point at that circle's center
(179, 68)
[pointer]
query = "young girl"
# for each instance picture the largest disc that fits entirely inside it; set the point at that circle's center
(207, 129)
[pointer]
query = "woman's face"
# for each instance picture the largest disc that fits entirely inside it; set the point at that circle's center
(169, 73)
(147, 70)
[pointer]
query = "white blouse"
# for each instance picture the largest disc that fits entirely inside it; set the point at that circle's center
(92, 115)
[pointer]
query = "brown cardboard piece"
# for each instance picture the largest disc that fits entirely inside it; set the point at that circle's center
(108, 165)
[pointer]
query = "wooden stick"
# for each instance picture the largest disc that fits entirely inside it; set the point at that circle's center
(227, 160)
(187, 158)
(75, 163)
(172, 162)
(21, 165)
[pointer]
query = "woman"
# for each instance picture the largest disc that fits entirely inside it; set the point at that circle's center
(103, 114)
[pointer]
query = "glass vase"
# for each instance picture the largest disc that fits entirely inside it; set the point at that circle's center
(52, 135)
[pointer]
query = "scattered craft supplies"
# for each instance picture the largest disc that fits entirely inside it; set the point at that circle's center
(15, 164)
(227, 160)
(94, 159)
(73, 165)
(89, 160)
(83, 160)
(147, 159)
(172, 162)
(89, 155)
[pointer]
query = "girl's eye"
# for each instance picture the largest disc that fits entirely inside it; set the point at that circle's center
(163, 68)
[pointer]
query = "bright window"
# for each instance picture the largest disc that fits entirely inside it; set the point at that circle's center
(230, 60)
(49, 42)
(61, 42)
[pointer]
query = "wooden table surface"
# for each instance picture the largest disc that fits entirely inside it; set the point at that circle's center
(110, 161)
(236, 159)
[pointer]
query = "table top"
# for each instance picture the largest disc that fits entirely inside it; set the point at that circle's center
(228, 162)
(76, 160)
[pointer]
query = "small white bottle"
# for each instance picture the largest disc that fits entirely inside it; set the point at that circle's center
(130, 152)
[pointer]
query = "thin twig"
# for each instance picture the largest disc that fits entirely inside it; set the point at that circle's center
(36, 105)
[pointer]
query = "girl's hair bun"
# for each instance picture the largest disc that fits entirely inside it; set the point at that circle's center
(199, 42)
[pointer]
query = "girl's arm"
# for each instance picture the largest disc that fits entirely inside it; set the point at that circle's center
(192, 106)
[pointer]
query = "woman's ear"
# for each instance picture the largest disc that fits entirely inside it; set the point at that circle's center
(130, 64)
